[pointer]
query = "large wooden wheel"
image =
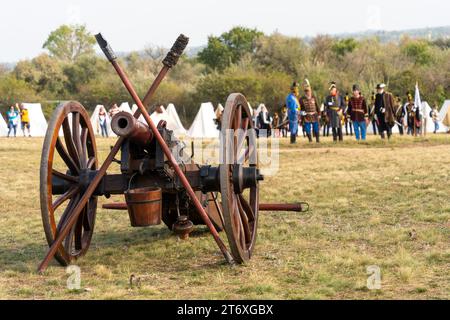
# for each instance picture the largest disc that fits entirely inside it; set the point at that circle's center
(64, 176)
(239, 157)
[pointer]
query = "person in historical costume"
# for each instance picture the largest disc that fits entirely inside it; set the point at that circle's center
(276, 125)
(399, 114)
(359, 114)
(293, 107)
(384, 111)
(411, 114)
(372, 119)
(24, 119)
(434, 115)
(310, 112)
(334, 104)
(284, 121)
(347, 119)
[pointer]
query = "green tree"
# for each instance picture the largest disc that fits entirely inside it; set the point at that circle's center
(86, 69)
(13, 90)
(222, 51)
(344, 46)
(419, 51)
(68, 43)
(44, 74)
(281, 53)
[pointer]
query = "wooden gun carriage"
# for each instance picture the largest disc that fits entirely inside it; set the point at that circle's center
(158, 177)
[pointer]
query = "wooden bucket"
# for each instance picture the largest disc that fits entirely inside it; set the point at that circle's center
(144, 206)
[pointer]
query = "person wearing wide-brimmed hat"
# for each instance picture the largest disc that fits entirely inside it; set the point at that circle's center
(384, 111)
(310, 111)
(357, 109)
(334, 105)
(293, 107)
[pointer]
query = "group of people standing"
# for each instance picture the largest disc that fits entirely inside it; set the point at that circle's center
(384, 111)
(15, 116)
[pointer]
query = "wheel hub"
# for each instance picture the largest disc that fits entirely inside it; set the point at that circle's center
(245, 177)
(85, 178)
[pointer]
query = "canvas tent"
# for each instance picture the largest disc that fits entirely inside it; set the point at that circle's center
(426, 110)
(251, 109)
(133, 111)
(38, 124)
(426, 120)
(96, 123)
(125, 106)
(161, 114)
(3, 127)
(178, 125)
(444, 115)
(204, 125)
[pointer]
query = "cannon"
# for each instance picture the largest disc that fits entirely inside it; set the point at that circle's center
(158, 178)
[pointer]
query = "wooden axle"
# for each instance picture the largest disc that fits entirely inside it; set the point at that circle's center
(293, 207)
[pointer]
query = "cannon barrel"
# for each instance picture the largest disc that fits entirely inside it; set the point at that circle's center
(124, 124)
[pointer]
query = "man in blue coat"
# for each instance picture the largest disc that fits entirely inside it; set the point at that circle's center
(293, 107)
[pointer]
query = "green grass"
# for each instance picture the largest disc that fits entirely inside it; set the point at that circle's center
(366, 200)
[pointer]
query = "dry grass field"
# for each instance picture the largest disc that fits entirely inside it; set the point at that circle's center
(375, 203)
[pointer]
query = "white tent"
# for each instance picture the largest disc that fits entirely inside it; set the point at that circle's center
(251, 109)
(173, 114)
(258, 111)
(38, 124)
(430, 124)
(96, 123)
(3, 127)
(125, 106)
(204, 125)
(444, 116)
(162, 114)
(141, 117)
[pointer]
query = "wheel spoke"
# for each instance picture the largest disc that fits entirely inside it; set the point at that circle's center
(90, 162)
(87, 220)
(78, 230)
(76, 131)
(83, 152)
(73, 167)
(237, 118)
(244, 222)
(236, 126)
(64, 176)
(64, 197)
(218, 207)
(73, 202)
(246, 207)
(69, 142)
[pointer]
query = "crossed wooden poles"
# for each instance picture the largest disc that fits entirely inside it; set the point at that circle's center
(169, 62)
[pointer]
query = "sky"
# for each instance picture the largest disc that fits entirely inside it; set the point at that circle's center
(134, 24)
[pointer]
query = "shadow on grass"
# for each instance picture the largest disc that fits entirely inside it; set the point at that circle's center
(23, 257)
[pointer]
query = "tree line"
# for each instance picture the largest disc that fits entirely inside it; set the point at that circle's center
(245, 60)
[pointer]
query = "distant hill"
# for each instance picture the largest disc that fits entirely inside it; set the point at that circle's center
(395, 36)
